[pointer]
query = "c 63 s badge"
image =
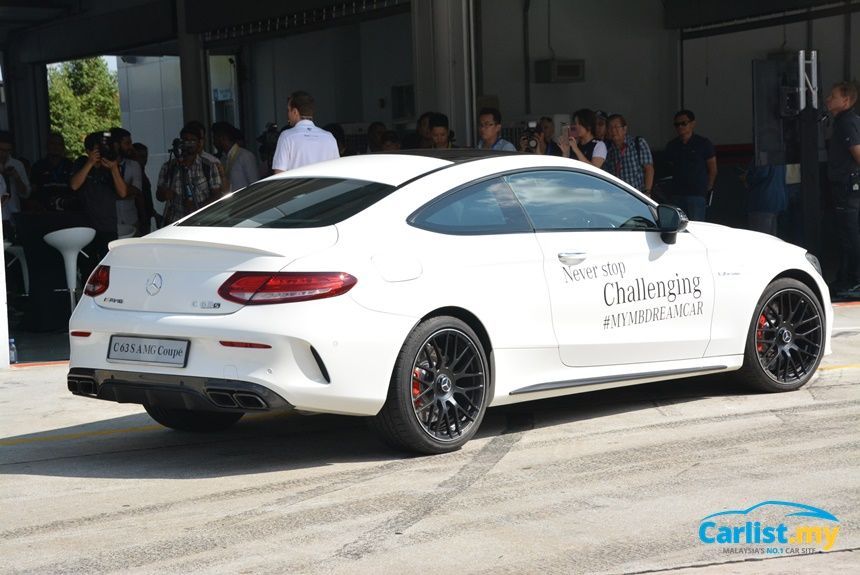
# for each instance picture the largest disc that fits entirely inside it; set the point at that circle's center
(206, 304)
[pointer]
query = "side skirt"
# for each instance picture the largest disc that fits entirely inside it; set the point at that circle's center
(611, 379)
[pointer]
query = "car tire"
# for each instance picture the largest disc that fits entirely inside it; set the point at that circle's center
(439, 390)
(785, 342)
(195, 421)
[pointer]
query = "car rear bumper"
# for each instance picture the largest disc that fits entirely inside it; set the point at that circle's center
(174, 391)
(331, 358)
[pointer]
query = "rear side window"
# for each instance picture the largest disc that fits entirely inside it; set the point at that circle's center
(488, 207)
(291, 203)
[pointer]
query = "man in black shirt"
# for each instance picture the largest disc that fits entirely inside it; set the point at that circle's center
(49, 178)
(693, 163)
(843, 171)
(99, 181)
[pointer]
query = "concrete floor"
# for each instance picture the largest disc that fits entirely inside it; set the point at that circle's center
(606, 482)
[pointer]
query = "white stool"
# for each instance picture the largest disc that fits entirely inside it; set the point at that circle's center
(69, 242)
(18, 254)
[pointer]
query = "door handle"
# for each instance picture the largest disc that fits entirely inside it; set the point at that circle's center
(572, 258)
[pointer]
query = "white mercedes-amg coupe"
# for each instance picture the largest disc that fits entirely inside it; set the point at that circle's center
(423, 288)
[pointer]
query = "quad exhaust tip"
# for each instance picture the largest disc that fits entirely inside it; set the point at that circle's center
(82, 386)
(236, 399)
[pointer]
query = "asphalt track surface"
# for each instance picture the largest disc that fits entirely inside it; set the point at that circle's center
(616, 481)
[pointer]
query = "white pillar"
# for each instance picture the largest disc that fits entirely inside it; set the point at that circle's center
(443, 62)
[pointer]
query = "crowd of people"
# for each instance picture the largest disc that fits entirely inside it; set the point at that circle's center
(600, 139)
(110, 184)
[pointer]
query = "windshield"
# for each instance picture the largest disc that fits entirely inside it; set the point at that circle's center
(291, 203)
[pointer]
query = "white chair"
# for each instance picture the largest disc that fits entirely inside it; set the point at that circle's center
(17, 253)
(69, 243)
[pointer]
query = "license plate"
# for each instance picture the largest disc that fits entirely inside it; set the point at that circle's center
(149, 350)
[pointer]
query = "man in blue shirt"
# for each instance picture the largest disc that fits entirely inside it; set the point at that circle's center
(694, 167)
(490, 130)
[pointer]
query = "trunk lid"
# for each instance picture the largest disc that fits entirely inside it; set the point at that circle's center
(179, 270)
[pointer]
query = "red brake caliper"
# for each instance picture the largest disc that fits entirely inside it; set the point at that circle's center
(417, 373)
(759, 333)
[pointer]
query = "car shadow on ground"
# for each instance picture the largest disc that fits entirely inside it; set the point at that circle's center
(620, 400)
(133, 446)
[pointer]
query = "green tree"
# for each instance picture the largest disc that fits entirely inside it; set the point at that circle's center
(83, 97)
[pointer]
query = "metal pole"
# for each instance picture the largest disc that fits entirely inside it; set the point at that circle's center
(809, 144)
(801, 75)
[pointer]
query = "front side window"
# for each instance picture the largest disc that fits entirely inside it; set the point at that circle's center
(291, 203)
(488, 207)
(561, 200)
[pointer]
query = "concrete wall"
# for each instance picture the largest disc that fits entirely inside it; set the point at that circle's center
(718, 76)
(346, 68)
(151, 107)
(386, 61)
(630, 60)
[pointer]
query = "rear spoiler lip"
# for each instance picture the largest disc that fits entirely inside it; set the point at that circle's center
(188, 242)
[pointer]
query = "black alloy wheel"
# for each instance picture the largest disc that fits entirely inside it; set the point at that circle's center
(786, 340)
(439, 390)
(448, 385)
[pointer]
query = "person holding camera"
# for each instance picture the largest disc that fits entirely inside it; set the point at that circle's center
(97, 178)
(579, 141)
(187, 182)
(533, 140)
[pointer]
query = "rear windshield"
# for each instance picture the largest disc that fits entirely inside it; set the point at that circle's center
(291, 203)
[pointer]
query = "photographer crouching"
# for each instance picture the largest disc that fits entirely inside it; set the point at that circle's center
(97, 177)
(186, 182)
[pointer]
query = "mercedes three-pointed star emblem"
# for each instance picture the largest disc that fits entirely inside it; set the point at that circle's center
(153, 284)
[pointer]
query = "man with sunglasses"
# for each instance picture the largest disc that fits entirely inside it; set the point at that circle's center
(693, 162)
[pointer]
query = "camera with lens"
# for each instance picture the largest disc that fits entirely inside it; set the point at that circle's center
(182, 149)
(530, 135)
(106, 149)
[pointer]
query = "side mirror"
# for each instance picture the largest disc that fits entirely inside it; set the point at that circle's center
(671, 220)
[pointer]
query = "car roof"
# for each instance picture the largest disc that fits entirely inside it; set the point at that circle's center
(454, 155)
(398, 168)
(389, 169)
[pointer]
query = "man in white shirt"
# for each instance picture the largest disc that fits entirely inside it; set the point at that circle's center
(240, 165)
(15, 177)
(304, 143)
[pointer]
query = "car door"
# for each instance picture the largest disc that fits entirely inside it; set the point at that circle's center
(482, 255)
(618, 293)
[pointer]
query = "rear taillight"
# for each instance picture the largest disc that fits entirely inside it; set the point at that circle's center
(256, 288)
(98, 282)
